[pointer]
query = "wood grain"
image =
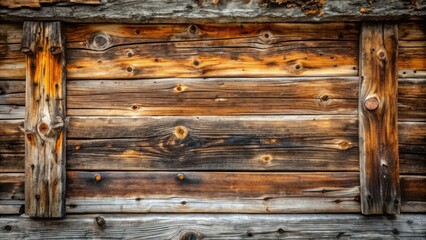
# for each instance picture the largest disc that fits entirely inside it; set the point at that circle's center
(10, 33)
(412, 50)
(259, 51)
(12, 149)
(322, 143)
(92, 36)
(222, 96)
(12, 186)
(229, 185)
(184, 11)
(12, 62)
(412, 99)
(12, 207)
(338, 204)
(44, 119)
(412, 149)
(38, 3)
(378, 125)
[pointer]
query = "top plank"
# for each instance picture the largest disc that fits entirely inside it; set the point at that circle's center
(184, 11)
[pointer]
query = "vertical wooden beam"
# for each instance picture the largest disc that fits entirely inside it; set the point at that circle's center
(378, 119)
(44, 45)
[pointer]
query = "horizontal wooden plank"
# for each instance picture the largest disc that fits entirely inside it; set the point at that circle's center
(213, 96)
(12, 146)
(207, 184)
(87, 36)
(12, 112)
(12, 186)
(183, 11)
(135, 127)
(12, 207)
(412, 99)
(304, 143)
(338, 204)
(412, 31)
(12, 92)
(10, 33)
(236, 57)
(412, 149)
(218, 226)
(413, 188)
(12, 62)
(412, 60)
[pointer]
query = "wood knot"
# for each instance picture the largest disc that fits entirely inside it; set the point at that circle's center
(98, 178)
(180, 88)
(43, 128)
(266, 36)
(55, 50)
(99, 41)
(180, 176)
(181, 132)
(135, 107)
(372, 103)
(192, 29)
(30, 136)
(77, 147)
(100, 221)
(344, 144)
(27, 50)
(381, 54)
(8, 228)
(266, 158)
(324, 98)
(191, 236)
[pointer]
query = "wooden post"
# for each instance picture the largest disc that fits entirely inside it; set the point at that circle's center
(44, 45)
(378, 120)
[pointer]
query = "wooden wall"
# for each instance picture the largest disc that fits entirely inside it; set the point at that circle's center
(412, 113)
(261, 118)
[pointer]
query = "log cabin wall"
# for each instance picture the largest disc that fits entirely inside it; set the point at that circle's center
(214, 118)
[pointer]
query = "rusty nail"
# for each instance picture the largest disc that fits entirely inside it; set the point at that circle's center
(180, 176)
(371, 103)
(98, 177)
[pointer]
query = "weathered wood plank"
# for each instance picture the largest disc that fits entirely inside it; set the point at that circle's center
(412, 50)
(12, 92)
(44, 44)
(12, 150)
(412, 60)
(10, 33)
(339, 204)
(412, 31)
(12, 186)
(135, 127)
(206, 184)
(90, 36)
(12, 112)
(12, 62)
(378, 126)
(412, 99)
(239, 57)
(13, 207)
(412, 149)
(304, 143)
(213, 96)
(184, 11)
(218, 226)
(413, 188)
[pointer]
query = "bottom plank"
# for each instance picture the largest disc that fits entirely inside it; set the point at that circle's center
(217, 226)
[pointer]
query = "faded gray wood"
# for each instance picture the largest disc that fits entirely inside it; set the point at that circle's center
(12, 207)
(44, 44)
(185, 11)
(346, 203)
(217, 226)
(378, 119)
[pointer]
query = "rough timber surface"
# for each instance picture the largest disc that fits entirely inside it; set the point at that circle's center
(217, 226)
(164, 11)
